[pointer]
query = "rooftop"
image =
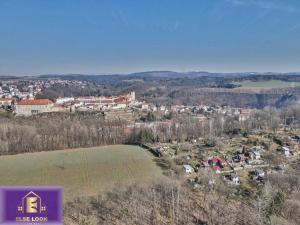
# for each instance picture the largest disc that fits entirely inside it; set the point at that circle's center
(35, 102)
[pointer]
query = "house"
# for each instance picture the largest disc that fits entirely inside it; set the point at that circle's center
(35, 106)
(244, 114)
(86, 99)
(145, 106)
(214, 161)
(254, 154)
(258, 176)
(233, 179)
(153, 108)
(162, 108)
(77, 103)
(259, 173)
(188, 169)
(280, 168)
(7, 101)
(285, 151)
(107, 102)
(159, 151)
(239, 158)
(64, 100)
(188, 157)
(295, 139)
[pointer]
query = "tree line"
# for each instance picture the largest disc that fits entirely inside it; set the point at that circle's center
(53, 131)
(58, 131)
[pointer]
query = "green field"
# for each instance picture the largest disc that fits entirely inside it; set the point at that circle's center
(81, 172)
(247, 84)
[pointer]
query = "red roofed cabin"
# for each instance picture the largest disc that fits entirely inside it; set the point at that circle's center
(214, 161)
(35, 106)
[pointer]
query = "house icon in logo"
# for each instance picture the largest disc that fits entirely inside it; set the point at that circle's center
(32, 203)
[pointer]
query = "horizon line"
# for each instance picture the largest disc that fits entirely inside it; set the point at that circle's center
(150, 71)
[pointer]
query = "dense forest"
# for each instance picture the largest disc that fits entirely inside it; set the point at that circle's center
(57, 131)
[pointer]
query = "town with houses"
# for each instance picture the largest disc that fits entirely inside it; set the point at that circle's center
(240, 160)
(25, 103)
(166, 112)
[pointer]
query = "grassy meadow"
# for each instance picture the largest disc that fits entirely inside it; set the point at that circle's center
(267, 84)
(85, 171)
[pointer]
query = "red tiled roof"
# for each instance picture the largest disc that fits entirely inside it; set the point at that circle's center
(35, 102)
(120, 100)
(215, 160)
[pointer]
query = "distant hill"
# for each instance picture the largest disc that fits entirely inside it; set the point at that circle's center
(173, 74)
(157, 74)
(190, 88)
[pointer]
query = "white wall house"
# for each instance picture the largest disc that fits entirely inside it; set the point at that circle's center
(188, 169)
(64, 100)
(6, 101)
(285, 151)
(35, 106)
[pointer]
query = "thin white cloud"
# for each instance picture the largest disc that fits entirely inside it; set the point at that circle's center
(282, 5)
(297, 26)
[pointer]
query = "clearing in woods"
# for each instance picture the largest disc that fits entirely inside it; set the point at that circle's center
(248, 84)
(85, 171)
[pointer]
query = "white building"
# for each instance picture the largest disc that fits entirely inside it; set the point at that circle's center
(259, 173)
(285, 151)
(35, 106)
(132, 96)
(188, 169)
(64, 100)
(6, 101)
(233, 179)
(145, 106)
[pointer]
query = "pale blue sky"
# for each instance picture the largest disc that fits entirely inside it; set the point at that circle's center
(122, 36)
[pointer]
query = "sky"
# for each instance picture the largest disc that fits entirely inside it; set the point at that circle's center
(124, 36)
